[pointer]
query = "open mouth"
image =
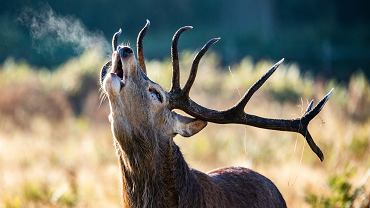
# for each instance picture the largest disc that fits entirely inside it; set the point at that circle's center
(117, 66)
(118, 69)
(119, 72)
(123, 53)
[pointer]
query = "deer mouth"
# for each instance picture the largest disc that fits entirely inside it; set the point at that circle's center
(117, 68)
(119, 63)
(124, 51)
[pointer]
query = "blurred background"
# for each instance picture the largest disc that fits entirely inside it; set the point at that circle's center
(55, 141)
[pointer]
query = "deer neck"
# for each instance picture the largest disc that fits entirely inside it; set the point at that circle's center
(152, 178)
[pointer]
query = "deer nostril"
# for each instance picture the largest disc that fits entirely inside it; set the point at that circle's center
(124, 51)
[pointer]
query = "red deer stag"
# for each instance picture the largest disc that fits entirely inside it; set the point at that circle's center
(154, 172)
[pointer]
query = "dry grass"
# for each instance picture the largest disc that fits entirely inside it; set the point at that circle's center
(56, 147)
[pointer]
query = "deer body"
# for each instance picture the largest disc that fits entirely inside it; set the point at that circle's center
(165, 180)
(154, 172)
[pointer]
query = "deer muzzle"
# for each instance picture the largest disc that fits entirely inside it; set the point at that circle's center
(124, 51)
(127, 60)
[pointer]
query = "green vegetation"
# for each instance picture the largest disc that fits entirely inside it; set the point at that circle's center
(342, 194)
(334, 42)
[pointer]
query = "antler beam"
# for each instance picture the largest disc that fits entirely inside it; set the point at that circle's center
(233, 115)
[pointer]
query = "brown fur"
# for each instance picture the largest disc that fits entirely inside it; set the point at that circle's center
(154, 172)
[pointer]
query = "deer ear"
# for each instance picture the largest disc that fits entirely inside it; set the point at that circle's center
(186, 126)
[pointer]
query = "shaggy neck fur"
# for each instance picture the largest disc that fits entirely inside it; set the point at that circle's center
(154, 172)
(155, 179)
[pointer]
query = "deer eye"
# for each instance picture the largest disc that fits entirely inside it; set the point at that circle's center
(154, 93)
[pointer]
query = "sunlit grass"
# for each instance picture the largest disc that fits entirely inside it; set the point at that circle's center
(56, 148)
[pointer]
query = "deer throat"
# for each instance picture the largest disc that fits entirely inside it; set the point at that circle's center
(147, 175)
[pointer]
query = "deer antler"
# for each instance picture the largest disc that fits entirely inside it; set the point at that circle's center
(115, 39)
(139, 45)
(179, 99)
(194, 66)
(175, 59)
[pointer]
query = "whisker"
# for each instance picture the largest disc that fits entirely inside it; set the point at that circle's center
(102, 96)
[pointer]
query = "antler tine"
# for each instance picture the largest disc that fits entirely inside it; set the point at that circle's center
(194, 66)
(247, 96)
(310, 113)
(139, 45)
(309, 107)
(115, 38)
(313, 145)
(313, 112)
(175, 58)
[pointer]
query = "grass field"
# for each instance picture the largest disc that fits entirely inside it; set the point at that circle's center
(56, 146)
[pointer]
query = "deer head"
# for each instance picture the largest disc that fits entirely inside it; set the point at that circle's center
(138, 103)
(141, 106)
